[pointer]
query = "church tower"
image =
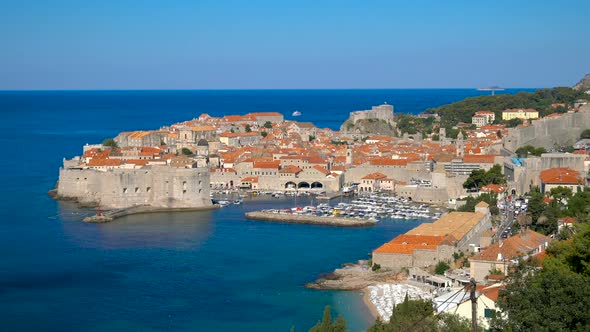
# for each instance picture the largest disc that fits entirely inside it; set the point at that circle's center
(460, 145)
(349, 155)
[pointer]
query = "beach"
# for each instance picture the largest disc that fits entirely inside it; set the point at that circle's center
(381, 299)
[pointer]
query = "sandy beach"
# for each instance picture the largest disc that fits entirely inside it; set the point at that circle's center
(369, 304)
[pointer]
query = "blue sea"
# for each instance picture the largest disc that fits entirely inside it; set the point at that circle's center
(198, 271)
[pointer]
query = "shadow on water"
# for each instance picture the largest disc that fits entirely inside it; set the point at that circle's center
(178, 230)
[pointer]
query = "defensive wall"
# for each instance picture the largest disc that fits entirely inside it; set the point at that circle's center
(550, 131)
(157, 186)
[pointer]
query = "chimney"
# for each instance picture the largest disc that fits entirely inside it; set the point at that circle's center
(499, 256)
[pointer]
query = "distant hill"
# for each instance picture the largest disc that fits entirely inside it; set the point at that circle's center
(541, 100)
(583, 84)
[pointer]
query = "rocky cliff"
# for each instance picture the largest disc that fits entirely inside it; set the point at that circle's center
(369, 126)
(583, 84)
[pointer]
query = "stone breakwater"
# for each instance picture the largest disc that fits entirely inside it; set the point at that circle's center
(111, 215)
(307, 219)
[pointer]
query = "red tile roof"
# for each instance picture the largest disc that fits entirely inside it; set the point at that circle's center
(479, 158)
(374, 176)
(561, 175)
(267, 164)
(513, 247)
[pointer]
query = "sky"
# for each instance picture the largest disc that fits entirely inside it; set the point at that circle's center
(304, 44)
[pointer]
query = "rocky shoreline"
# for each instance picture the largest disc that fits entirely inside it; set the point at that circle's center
(356, 276)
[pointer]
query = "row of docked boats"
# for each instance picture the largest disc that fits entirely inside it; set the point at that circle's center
(371, 208)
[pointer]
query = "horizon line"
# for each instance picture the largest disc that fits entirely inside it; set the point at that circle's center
(265, 89)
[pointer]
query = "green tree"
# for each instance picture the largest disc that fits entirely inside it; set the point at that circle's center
(110, 142)
(263, 133)
(441, 267)
(513, 122)
(327, 325)
(536, 204)
(561, 194)
(248, 128)
(585, 134)
(479, 178)
(186, 152)
(554, 297)
(268, 124)
(311, 138)
(527, 150)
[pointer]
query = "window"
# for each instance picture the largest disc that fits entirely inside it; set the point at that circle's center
(124, 190)
(148, 189)
(136, 189)
(489, 313)
(184, 191)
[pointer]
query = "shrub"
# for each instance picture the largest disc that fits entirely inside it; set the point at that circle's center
(441, 267)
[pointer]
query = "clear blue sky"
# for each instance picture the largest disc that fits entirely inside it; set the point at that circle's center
(219, 44)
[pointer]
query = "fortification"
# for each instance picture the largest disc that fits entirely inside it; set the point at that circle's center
(550, 131)
(381, 112)
(155, 186)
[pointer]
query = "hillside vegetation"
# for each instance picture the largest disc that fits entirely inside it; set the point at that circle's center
(541, 100)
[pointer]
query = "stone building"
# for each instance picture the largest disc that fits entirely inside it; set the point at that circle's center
(519, 113)
(503, 254)
(156, 186)
(381, 112)
(430, 243)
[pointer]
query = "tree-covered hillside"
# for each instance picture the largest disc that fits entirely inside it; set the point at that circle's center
(541, 100)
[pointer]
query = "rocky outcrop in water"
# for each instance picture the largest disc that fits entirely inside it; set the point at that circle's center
(354, 277)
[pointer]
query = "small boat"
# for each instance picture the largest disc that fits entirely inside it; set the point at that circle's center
(296, 113)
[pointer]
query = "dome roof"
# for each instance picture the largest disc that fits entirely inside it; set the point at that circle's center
(202, 142)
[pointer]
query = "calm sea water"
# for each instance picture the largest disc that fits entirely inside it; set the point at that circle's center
(207, 271)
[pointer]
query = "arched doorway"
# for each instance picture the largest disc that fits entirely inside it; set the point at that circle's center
(317, 185)
(303, 185)
(290, 185)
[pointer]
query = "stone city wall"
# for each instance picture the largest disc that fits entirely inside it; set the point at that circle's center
(548, 132)
(157, 186)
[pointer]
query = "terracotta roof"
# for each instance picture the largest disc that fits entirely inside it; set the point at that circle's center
(290, 169)
(561, 175)
(267, 164)
(94, 162)
(406, 244)
(513, 247)
(253, 179)
(491, 292)
(494, 188)
(479, 158)
(321, 169)
(374, 176)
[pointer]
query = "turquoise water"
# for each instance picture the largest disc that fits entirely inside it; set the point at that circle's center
(202, 271)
